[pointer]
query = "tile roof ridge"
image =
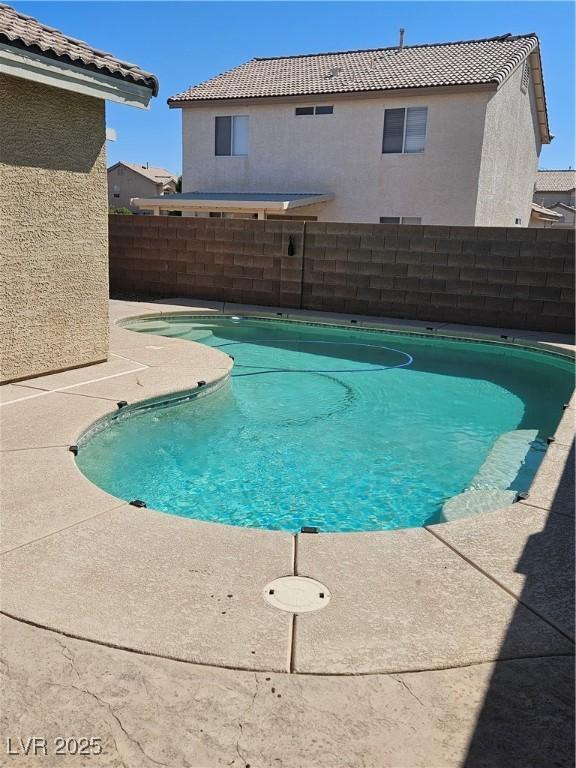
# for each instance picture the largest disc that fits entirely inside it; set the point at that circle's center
(498, 38)
(143, 167)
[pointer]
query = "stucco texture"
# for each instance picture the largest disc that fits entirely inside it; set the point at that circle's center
(342, 154)
(510, 152)
(53, 214)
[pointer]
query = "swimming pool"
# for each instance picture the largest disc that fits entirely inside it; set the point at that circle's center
(340, 428)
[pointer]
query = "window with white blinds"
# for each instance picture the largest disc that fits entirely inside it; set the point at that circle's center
(231, 135)
(404, 130)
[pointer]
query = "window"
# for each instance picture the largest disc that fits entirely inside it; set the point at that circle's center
(299, 111)
(404, 130)
(231, 135)
(116, 194)
(400, 220)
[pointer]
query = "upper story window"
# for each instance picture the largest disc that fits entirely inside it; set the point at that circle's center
(404, 130)
(231, 135)
(299, 111)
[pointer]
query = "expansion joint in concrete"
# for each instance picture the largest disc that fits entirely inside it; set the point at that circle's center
(501, 586)
(65, 528)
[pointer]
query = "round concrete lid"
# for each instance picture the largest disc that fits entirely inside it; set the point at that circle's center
(296, 594)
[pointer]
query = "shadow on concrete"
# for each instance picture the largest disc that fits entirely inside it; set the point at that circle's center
(527, 718)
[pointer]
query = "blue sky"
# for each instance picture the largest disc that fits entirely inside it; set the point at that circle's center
(184, 43)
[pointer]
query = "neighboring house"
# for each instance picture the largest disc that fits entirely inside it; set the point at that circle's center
(53, 202)
(544, 217)
(439, 134)
(128, 180)
(568, 213)
(556, 191)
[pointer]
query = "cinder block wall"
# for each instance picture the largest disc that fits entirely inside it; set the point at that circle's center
(225, 259)
(519, 278)
(513, 277)
(54, 242)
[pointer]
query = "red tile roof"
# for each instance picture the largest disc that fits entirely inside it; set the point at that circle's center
(151, 172)
(556, 181)
(25, 32)
(469, 62)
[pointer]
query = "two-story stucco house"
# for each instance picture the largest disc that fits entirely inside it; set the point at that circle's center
(556, 191)
(129, 180)
(53, 204)
(439, 134)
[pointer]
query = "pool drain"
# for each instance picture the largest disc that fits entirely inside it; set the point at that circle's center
(296, 594)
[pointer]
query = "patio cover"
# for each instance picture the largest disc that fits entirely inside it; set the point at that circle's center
(232, 202)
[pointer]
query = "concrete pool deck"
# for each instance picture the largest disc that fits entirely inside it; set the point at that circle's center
(421, 623)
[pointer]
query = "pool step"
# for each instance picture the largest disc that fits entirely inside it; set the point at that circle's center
(474, 502)
(163, 328)
(507, 471)
(512, 462)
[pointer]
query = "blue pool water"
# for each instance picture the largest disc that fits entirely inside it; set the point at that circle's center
(343, 429)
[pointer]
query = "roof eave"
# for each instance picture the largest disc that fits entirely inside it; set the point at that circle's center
(546, 214)
(556, 191)
(540, 94)
(533, 57)
(333, 95)
(28, 65)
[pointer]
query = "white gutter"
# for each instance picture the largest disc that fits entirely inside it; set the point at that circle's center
(40, 69)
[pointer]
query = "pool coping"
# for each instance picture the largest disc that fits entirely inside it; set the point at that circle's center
(160, 362)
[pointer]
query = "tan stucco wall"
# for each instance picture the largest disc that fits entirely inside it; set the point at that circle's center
(130, 184)
(509, 157)
(53, 216)
(342, 154)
